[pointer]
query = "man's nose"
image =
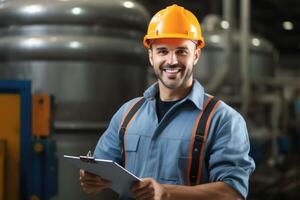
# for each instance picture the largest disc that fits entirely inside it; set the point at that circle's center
(172, 58)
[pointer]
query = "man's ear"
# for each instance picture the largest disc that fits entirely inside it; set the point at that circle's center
(197, 55)
(150, 54)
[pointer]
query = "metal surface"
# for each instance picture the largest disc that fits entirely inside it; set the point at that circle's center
(85, 92)
(244, 62)
(79, 48)
(220, 75)
(88, 54)
(113, 13)
(262, 58)
(75, 143)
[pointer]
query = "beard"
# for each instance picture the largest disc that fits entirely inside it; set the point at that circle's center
(181, 79)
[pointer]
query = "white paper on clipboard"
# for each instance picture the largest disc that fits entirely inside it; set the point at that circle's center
(121, 178)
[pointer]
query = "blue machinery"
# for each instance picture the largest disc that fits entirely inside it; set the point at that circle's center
(28, 164)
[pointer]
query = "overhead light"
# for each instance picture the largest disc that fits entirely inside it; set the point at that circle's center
(76, 10)
(225, 24)
(33, 42)
(128, 4)
(288, 25)
(75, 44)
(215, 38)
(32, 9)
(255, 42)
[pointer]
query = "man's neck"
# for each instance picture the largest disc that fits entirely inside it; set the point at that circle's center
(167, 94)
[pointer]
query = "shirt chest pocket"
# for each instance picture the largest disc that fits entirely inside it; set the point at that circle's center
(175, 158)
(131, 147)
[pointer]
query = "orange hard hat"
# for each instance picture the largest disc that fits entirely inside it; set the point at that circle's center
(174, 22)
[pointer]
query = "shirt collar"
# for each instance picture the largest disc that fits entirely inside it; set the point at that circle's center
(151, 92)
(196, 95)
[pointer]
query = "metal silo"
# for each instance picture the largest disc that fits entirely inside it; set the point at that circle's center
(88, 54)
(217, 75)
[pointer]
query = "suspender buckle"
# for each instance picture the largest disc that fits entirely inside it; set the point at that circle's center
(199, 137)
(123, 128)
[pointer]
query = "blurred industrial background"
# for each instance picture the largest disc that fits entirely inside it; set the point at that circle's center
(67, 65)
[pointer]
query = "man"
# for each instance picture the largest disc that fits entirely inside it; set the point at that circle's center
(159, 141)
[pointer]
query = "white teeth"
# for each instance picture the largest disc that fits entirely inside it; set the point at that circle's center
(172, 70)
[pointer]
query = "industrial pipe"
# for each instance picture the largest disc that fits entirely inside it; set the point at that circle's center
(244, 59)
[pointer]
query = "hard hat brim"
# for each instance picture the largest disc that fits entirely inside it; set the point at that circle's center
(147, 39)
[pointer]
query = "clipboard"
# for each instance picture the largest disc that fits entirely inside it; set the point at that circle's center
(121, 178)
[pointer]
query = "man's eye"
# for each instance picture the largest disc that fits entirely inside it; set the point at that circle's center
(162, 52)
(181, 52)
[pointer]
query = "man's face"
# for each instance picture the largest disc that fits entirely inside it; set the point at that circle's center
(173, 60)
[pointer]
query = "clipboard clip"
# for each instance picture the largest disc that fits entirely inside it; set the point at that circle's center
(87, 159)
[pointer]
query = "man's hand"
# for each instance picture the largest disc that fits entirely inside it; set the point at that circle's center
(149, 189)
(92, 184)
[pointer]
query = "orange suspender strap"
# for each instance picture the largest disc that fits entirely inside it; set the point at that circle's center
(198, 141)
(127, 119)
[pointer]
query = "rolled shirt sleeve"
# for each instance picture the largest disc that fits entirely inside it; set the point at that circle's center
(229, 159)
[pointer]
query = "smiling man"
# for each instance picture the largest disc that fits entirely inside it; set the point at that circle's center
(173, 61)
(183, 142)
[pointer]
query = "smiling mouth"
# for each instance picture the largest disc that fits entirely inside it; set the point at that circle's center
(172, 70)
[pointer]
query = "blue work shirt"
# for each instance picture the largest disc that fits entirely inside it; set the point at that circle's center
(161, 149)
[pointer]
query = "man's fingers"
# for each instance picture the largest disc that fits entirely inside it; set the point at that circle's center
(143, 189)
(145, 197)
(91, 178)
(97, 180)
(140, 185)
(92, 184)
(93, 190)
(86, 173)
(86, 176)
(81, 173)
(96, 183)
(145, 192)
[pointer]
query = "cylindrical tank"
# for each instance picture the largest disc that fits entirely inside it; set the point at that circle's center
(88, 54)
(212, 61)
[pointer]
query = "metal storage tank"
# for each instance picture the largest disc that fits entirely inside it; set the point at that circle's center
(212, 69)
(88, 54)
(221, 76)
